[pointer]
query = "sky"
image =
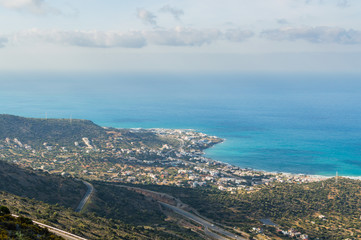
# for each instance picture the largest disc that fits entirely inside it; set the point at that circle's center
(180, 35)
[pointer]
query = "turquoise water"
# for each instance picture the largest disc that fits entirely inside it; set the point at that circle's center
(299, 123)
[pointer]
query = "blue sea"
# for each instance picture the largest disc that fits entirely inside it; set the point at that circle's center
(289, 122)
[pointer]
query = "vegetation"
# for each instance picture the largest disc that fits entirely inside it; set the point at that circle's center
(113, 211)
(35, 132)
(21, 228)
(323, 210)
(167, 158)
(107, 154)
(127, 206)
(89, 224)
(40, 185)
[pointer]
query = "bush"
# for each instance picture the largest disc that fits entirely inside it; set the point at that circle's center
(4, 210)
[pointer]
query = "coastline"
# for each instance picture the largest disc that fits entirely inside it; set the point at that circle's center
(315, 177)
(160, 156)
(287, 176)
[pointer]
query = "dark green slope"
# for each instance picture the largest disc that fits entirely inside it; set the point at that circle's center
(53, 131)
(21, 228)
(40, 185)
(290, 205)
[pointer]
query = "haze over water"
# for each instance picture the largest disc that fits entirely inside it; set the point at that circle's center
(299, 123)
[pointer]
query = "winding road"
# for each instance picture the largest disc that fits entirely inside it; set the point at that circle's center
(214, 230)
(57, 231)
(62, 233)
(210, 229)
(86, 197)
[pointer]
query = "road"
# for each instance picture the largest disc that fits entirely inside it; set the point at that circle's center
(207, 225)
(210, 229)
(64, 234)
(86, 197)
(57, 231)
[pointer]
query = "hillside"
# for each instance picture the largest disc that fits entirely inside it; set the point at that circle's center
(40, 185)
(112, 212)
(127, 206)
(21, 228)
(35, 132)
(324, 210)
(92, 226)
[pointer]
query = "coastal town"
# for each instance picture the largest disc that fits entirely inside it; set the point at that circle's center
(170, 157)
(173, 161)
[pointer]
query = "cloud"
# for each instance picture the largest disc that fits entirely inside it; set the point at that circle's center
(282, 21)
(31, 6)
(315, 35)
(339, 3)
(18, 4)
(343, 3)
(181, 36)
(147, 17)
(3, 41)
(94, 39)
(238, 35)
(175, 12)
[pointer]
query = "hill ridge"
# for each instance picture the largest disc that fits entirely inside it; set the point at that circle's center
(36, 131)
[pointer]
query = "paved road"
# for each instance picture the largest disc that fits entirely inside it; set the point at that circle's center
(207, 225)
(210, 229)
(57, 231)
(81, 205)
(86, 196)
(214, 235)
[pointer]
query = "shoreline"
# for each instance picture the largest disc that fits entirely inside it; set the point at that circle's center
(308, 177)
(267, 172)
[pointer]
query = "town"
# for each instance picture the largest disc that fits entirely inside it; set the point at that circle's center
(170, 157)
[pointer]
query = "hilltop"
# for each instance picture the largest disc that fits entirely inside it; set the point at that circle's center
(33, 131)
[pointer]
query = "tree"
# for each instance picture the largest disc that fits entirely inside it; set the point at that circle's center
(4, 210)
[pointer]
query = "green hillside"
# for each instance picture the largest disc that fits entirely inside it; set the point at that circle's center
(112, 212)
(40, 185)
(21, 228)
(92, 226)
(324, 210)
(34, 131)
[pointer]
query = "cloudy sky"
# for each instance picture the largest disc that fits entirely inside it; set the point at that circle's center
(180, 35)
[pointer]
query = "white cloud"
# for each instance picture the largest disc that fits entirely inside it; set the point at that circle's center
(315, 35)
(175, 12)
(32, 6)
(343, 3)
(183, 37)
(95, 39)
(339, 3)
(238, 35)
(282, 21)
(21, 3)
(147, 17)
(178, 36)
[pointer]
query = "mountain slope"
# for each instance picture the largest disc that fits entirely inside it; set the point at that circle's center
(34, 131)
(21, 228)
(40, 185)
